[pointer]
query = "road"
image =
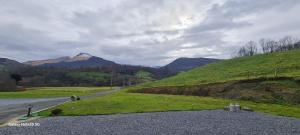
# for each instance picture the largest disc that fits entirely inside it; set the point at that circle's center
(10, 108)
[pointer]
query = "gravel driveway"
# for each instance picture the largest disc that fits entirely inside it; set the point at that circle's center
(215, 122)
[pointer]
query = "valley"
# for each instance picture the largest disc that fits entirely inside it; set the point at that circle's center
(143, 67)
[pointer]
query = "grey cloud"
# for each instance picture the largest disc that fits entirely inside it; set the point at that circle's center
(14, 37)
(143, 32)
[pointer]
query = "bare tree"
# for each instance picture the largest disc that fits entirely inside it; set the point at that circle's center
(242, 52)
(272, 45)
(286, 43)
(268, 45)
(263, 45)
(297, 45)
(251, 48)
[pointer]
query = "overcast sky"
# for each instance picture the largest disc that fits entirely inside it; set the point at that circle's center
(140, 32)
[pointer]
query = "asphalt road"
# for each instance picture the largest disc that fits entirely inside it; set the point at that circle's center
(214, 122)
(13, 108)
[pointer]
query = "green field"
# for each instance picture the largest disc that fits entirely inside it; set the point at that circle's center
(123, 102)
(287, 64)
(47, 92)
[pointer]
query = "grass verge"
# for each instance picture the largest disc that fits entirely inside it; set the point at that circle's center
(48, 92)
(123, 102)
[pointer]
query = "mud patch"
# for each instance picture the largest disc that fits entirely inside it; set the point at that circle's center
(275, 90)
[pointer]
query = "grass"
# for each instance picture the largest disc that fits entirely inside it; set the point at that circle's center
(286, 64)
(47, 92)
(123, 102)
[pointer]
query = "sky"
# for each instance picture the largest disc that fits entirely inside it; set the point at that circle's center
(141, 32)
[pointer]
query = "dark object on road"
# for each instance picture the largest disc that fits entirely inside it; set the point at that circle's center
(56, 112)
(29, 110)
(78, 98)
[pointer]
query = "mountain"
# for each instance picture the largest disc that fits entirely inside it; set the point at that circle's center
(184, 64)
(82, 60)
(10, 64)
(49, 61)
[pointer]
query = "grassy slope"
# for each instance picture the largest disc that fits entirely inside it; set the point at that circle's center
(287, 63)
(46, 92)
(123, 102)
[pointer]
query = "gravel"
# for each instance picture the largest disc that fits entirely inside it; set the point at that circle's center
(214, 122)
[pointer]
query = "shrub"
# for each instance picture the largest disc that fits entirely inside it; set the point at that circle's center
(74, 98)
(56, 112)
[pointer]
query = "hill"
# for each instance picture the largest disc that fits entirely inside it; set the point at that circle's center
(184, 64)
(7, 64)
(266, 77)
(82, 60)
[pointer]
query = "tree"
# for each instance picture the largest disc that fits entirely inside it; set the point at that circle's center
(297, 45)
(16, 77)
(6, 83)
(242, 52)
(249, 49)
(143, 76)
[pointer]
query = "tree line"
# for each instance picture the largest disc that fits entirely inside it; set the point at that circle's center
(119, 75)
(268, 46)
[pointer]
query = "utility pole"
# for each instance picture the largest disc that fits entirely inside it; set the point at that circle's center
(111, 79)
(123, 81)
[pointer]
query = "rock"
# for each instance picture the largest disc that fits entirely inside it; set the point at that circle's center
(226, 108)
(247, 109)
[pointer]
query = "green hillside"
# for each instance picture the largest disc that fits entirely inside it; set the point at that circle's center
(271, 78)
(287, 64)
(99, 76)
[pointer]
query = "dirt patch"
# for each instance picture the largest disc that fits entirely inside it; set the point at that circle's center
(275, 90)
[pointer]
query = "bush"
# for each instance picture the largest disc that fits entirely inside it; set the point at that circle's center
(74, 98)
(56, 112)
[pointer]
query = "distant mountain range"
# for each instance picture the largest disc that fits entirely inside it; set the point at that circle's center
(85, 60)
(184, 64)
(82, 60)
(8, 64)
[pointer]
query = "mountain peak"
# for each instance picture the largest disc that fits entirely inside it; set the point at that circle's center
(81, 57)
(84, 55)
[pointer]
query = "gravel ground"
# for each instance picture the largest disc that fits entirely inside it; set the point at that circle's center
(215, 122)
